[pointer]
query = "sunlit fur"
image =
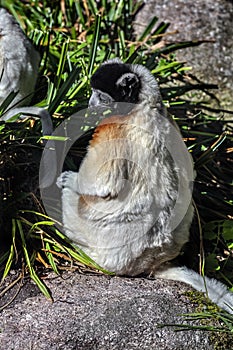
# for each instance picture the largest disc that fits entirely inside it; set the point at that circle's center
(117, 207)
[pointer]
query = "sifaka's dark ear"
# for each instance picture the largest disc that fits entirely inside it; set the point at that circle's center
(128, 85)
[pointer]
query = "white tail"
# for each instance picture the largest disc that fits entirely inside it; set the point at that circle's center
(216, 291)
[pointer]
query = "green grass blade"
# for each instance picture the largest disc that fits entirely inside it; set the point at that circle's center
(32, 272)
(78, 254)
(206, 156)
(12, 252)
(7, 101)
(51, 258)
(160, 29)
(93, 7)
(94, 46)
(80, 12)
(148, 29)
(40, 284)
(4, 257)
(61, 93)
(62, 59)
(118, 12)
(122, 45)
(62, 62)
(181, 45)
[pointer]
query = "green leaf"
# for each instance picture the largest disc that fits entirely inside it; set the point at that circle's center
(211, 263)
(209, 230)
(94, 46)
(228, 230)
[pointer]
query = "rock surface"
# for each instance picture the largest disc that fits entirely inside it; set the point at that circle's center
(197, 20)
(99, 312)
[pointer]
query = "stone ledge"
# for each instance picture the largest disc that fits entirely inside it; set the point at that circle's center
(99, 312)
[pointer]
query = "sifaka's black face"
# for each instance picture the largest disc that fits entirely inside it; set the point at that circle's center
(114, 82)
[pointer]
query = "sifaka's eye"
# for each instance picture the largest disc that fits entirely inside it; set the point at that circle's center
(105, 98)
(100, 98)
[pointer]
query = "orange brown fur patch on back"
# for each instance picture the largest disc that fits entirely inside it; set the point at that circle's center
(84, 205)
(114, 127)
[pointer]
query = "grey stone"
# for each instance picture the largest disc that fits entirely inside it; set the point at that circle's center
(99, 312)
(197, 20)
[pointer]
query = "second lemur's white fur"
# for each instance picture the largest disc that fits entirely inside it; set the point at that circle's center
(19, 66)
(19, 62)
(117, 208)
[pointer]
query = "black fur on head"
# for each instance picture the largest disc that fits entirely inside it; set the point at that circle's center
(117, 80)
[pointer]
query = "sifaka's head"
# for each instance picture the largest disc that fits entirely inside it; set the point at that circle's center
(116, 81)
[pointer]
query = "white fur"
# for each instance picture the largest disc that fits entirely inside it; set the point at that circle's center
(215, 290)
(19, 61)
(118, 207)
(19, 65)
